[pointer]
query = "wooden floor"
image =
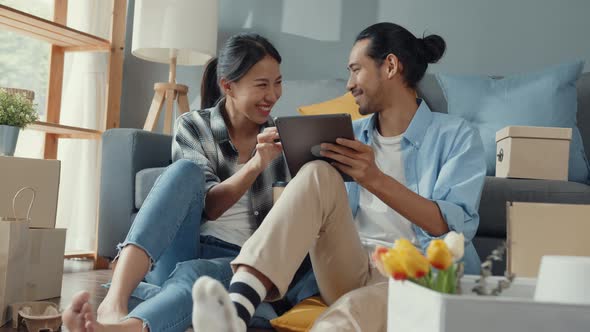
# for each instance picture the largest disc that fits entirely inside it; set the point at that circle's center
(78, 275)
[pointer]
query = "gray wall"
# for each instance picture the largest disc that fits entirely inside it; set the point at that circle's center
(315, 49)
(498, 37)
(314, 37)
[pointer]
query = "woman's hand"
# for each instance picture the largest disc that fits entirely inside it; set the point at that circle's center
(267, 149)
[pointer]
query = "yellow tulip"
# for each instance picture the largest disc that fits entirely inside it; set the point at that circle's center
(439, 255)
(393, 265)
(404, 244)
(416, 265)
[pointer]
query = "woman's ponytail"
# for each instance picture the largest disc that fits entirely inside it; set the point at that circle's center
(210, 91)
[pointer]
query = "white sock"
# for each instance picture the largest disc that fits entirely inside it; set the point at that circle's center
(213, 310)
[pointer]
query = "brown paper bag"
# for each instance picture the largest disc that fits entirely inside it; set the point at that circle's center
(14, 259)
(46, 263)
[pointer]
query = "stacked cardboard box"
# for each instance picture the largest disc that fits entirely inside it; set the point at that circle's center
(45, 245)
(539, 229)
(533, 152)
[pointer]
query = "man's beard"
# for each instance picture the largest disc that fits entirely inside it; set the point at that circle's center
(369, 108)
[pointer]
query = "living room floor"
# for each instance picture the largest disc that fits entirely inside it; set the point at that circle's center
(78, 275)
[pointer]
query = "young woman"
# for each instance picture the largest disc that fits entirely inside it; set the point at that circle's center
(206, 204)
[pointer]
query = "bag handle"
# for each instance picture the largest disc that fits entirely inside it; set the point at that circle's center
(30, 204)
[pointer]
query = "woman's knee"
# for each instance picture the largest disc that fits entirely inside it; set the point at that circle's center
(184, 174)
(188, 171)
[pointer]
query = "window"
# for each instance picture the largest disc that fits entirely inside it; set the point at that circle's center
(74, 114)
(24, 64)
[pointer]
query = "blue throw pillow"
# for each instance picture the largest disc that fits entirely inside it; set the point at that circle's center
(546, 98)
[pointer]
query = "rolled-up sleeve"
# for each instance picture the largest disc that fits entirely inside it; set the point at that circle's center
(459, 184)
(188, 144)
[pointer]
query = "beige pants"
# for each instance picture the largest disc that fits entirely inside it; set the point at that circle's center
(313, 216)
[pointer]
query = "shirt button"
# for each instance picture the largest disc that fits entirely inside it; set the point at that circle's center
(256, 213)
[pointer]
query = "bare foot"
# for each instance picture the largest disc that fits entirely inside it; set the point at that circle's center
(213, 310)
(74, 317)
(109, 313)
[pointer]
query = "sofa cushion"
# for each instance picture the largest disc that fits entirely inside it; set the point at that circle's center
(297, 93)
(429, 89)
(583, 87)
(342, 104)
(144, 181)
(498, 191)
(545, 98)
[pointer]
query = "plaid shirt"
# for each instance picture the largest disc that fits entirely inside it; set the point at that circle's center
(202, 136)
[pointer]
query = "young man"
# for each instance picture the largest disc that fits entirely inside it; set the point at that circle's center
(417, 175)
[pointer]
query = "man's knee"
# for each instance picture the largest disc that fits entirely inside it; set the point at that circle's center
(340, 316)
(363, 309)
(320, 169)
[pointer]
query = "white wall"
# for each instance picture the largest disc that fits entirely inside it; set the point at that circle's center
(498, 37)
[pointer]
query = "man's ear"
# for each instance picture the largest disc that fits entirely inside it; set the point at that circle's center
(393, 65)
(226, 87)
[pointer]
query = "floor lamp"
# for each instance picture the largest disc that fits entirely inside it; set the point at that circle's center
(175, 32)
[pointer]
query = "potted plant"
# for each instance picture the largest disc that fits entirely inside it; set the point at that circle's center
(16, 111)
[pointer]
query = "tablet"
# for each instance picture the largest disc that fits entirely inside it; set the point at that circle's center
(301, 137)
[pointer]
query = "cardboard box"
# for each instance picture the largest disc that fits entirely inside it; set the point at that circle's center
(413, 308)
(46, 266)
(533, 152)
(538, 229)
(43, 176)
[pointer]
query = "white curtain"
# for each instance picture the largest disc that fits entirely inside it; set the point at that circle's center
(83, 105)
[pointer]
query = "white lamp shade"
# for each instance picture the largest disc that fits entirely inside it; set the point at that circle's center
(185, 28)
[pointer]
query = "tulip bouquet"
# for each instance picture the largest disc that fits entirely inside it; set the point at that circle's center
(405, 262)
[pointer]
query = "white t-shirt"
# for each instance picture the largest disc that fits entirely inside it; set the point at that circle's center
(236, 225)
(377, 223)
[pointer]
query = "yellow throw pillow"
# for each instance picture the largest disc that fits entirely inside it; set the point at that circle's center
(301, 317)
(342, 104)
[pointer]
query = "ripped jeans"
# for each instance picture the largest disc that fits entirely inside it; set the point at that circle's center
(169, 307)
(167, 229)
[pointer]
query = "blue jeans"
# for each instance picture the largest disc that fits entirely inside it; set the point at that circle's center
(169, 307)
(167, 228)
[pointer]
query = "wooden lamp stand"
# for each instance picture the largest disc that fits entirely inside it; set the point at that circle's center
(168, 92)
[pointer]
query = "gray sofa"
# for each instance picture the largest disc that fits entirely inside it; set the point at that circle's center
(132, 160)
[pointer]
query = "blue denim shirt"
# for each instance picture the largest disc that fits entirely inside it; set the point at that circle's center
(444, 162)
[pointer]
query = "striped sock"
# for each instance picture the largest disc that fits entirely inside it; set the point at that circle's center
(246, 292)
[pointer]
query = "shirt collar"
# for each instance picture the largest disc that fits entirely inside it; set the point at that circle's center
(419, 124)
(416, 130)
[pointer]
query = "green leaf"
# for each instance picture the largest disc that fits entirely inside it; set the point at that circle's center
(452, 279)
(16, 110)
(439, 283)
